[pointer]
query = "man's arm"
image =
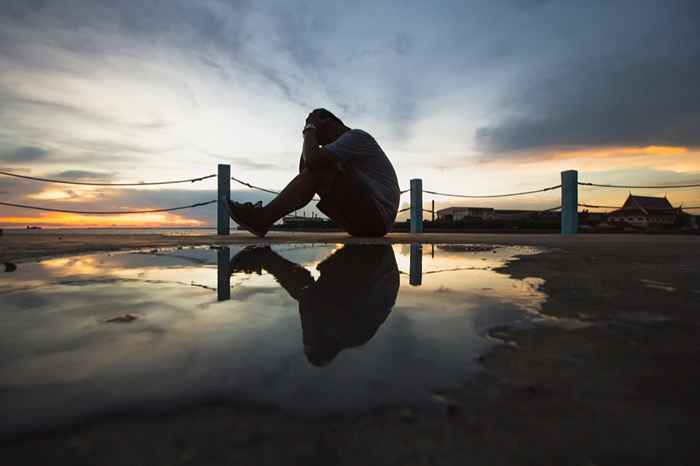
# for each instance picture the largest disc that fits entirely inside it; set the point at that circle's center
(314, 156)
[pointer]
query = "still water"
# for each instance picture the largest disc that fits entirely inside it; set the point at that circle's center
(308, 329)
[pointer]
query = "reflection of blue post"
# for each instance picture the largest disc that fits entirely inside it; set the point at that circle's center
(417, 205)
(415, 276)
(223, 224)
(569, 202)
(223, 285)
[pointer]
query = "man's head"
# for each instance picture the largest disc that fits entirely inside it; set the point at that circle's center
(328, 126)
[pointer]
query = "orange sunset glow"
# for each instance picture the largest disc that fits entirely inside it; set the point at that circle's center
(149, 220)
(619, 152)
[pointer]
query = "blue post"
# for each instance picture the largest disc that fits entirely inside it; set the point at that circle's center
(415, 276)
(223, 222)
(416, 205)
(569, 202)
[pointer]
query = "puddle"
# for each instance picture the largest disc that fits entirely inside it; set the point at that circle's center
(310, 329)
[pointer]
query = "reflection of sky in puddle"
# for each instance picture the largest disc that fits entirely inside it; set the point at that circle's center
(63, 362)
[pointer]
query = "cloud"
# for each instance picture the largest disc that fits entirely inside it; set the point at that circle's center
(653, 103)
(242, 162)
(640, 89)
(158, 90)
(250, 164)
(18, 103)
(24, 154)
(82, 175)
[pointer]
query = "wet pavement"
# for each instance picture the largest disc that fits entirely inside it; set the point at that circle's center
(312, 330)
(582, 351)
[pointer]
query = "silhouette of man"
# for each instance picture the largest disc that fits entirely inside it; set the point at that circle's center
(346, 168)
(345, 307)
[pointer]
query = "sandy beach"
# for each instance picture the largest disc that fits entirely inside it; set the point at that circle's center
(611, 390)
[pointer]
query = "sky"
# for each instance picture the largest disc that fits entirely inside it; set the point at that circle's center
(473, 97)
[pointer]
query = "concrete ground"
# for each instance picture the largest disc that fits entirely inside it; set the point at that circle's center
(24, 247)
(621, 390)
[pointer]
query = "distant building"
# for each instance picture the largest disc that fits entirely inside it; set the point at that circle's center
(297, 220)
(455, 214)
(589, 217)
(514, 214)
(645, 211)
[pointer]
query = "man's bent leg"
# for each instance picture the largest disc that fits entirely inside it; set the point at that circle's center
(293, 277)
(299, 192)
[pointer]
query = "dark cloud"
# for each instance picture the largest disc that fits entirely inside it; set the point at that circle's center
(642, 177)
(82, 175)
(24, 154)
(206, 23)
(242, 162)
(19, 9)
(652, 103)
(636, 93)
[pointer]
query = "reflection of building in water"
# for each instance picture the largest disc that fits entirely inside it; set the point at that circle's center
(344, 307)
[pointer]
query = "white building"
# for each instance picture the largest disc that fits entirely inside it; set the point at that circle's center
(455, 214)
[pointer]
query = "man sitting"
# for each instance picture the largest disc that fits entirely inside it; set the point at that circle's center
(348, 170)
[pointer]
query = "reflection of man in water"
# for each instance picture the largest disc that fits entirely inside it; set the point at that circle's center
(345, 306)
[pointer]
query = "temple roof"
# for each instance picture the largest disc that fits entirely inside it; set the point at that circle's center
(647, 202)
(645, 205)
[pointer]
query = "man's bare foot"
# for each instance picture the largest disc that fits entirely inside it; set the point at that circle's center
(247, 216)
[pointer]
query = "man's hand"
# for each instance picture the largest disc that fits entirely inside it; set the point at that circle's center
(314, 156)
(314, 118)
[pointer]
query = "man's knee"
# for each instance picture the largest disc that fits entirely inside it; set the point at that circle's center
(319, 173)
(322, 178)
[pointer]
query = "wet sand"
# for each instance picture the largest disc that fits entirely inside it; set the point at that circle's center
(618, 388)
(25, 247)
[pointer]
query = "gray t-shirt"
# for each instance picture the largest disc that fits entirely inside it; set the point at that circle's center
(358, 151)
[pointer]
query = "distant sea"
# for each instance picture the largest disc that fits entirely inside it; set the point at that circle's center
(116, 231)
(203, 231)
